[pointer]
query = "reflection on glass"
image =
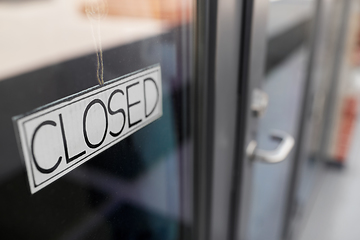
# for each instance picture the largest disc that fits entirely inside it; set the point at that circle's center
(141, 188)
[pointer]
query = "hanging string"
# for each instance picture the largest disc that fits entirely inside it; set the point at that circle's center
(96, 10)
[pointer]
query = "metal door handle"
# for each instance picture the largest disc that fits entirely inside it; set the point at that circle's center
(276, 155)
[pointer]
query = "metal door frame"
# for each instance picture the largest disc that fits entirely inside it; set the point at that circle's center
(226, 73)
(252, 65)
(218, 30)
(219, 49)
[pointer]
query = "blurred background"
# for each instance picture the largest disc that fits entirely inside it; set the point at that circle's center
(147, 186)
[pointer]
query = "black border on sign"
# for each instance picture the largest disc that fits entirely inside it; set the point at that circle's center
(69, 98)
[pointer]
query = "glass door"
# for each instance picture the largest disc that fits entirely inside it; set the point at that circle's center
(275, 86)
(174, 89)
(142, 186)
(285, 80)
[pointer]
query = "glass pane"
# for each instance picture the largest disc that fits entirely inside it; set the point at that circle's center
(288, 28)
(140, 188)
(324, 72)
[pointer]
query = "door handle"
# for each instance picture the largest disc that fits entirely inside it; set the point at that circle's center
(272, 156)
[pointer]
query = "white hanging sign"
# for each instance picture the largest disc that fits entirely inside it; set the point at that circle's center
(61, 136)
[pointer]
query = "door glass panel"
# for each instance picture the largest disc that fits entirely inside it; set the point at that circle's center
(325, 71)
(286, 63)
(140, 188)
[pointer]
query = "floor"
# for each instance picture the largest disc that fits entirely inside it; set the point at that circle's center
(336, 211)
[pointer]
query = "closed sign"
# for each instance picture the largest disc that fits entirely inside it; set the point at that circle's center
(61, 136)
